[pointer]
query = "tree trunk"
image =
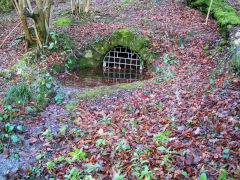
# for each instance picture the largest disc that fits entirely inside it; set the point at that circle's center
(40, 17)
(23, 20)
(41, 21)
(79, 6)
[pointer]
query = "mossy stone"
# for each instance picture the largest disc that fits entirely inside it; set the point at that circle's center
(122, 37)
(235, 62)
(139, 43)
(96, 51)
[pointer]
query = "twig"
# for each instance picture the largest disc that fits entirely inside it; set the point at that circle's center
(9, 35)
(209, 11)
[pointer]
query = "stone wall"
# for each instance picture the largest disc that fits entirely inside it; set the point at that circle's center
(235, 40)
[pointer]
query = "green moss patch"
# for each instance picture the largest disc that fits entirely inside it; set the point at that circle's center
(221, 10)
(62, 21)
(105, 90)
(130, 85)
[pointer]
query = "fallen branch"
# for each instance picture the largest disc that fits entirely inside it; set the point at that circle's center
(209, 11)
(9, 35)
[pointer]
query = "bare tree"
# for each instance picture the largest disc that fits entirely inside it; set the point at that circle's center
(79, 6)
(39, 12)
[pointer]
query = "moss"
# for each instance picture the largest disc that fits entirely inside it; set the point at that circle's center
(235, 63)
(139, 43)
(65, 13)
(85, 62)
(92, 93)
(122, 37)
(130, 85)
(223, 43)
(29, 57)
(103, 90)
(221, 10)
(20, 67)
(59, 68)
(62, 21)
(229, 27)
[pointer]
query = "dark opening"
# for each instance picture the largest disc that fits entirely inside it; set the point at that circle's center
(122, 58)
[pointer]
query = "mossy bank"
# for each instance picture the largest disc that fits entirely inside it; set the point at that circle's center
(221, 10)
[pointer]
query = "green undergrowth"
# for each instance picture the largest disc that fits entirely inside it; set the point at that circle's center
(28, 89)
(105, 90)
(62, 43)
(221, 10)
(5, 5)
(33, 85)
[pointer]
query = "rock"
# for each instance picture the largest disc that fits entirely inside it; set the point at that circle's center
(97, 17)
(197, 131)
(235, 38)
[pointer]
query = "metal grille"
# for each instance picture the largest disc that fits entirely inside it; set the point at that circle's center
(122, 58)
(121, 75)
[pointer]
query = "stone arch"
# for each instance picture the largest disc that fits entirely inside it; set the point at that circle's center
(94, 53)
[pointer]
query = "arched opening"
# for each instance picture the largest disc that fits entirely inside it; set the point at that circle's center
(122, 58)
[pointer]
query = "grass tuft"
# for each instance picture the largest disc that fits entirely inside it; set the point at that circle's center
(19, 94)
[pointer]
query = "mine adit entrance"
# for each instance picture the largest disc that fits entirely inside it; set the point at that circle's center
(122, 58)
(121, 64)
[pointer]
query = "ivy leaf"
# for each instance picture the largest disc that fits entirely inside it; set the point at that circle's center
(14, 138)
(50, 164)
(225, 153)
(29, 109)
(184, 173)
(20, 128)
(203, 176)
(51, 46)
(39, 156)
(48, 85)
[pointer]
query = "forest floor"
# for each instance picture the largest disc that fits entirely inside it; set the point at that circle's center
(183, 123)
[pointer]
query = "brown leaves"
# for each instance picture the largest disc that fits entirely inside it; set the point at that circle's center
(32, 140)
(236, 81)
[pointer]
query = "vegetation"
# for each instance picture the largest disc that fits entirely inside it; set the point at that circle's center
(221, 10)
(5, 5)
(62, 21)
(19, 94)
(100, 91)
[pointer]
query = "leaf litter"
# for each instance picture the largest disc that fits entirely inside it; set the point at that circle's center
(183, 124)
